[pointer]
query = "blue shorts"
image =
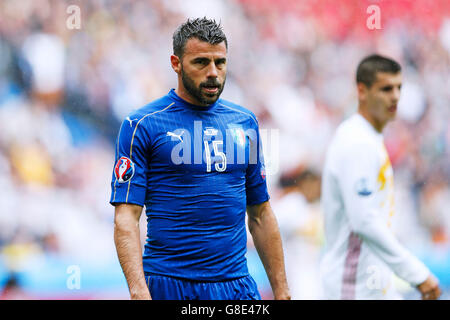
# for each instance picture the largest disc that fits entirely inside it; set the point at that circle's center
(168, 288)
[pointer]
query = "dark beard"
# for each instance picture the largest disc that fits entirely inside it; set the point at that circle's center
(196, 92)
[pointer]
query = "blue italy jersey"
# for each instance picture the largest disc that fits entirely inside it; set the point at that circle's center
(195, 169)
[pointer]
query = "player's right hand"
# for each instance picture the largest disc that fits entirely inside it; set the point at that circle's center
(430, 288)
(140, 295)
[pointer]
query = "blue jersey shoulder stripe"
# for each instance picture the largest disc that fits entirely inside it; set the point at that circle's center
(132, 139)
(149, 114)
(131, 146)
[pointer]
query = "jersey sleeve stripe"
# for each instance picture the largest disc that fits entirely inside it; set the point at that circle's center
(351, 267)
(117, 156)
(114, 198)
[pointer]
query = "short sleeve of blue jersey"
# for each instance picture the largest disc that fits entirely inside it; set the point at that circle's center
(129, 178)
(255, 177)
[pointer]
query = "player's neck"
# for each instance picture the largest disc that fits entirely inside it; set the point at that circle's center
(183, 94)
(378, 126)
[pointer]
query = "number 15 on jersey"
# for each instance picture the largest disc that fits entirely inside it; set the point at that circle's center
(221, 165)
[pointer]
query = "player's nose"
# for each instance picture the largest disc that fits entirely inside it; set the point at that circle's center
(212, 71)
(396, 94)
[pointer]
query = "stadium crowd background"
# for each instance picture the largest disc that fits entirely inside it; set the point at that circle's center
(64, 92)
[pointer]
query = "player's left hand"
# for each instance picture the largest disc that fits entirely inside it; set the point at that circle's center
(430, 288)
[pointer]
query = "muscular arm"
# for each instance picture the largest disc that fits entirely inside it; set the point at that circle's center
(129, 251)
(266, 237)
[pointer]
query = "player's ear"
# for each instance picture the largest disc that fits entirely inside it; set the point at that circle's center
(176, 63)
(362, 91)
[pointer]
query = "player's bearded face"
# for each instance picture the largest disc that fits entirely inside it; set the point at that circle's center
(203, 69)
(206, 92)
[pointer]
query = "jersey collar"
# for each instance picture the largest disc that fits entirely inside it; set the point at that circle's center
(368, 125)
(172, 94)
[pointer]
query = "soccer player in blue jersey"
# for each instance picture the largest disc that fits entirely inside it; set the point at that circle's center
(194, 161)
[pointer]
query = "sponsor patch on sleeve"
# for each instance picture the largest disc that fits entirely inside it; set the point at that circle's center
(124, 169)
(363, 188)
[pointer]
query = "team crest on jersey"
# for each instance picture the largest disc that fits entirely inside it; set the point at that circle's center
(362, 188)
(238, 134)
(124, 169)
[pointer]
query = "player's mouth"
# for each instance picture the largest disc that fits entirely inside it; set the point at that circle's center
(211, 86)
(211, 89)
(392, 108)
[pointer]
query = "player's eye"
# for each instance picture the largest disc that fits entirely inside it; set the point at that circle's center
(200, 61)
(220, 62)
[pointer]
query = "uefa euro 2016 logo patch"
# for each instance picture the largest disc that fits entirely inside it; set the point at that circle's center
(124, 169)
(362, 187)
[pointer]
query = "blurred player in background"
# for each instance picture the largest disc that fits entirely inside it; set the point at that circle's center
(178, 157)
(300, 220)
(361, 251)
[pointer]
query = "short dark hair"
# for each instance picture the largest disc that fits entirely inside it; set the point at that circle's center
(369, 66)
(204, 29)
